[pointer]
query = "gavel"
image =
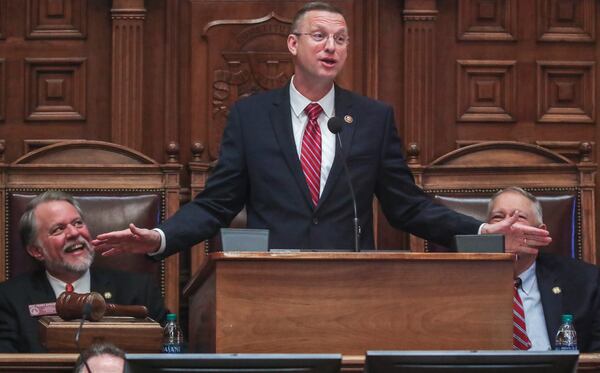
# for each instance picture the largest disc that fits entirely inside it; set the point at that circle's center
(69, 306)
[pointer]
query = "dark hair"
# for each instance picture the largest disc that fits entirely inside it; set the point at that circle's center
(97, 349)
(28, 225)
(315, 5)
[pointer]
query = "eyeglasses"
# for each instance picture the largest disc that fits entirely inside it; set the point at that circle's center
(340, 38)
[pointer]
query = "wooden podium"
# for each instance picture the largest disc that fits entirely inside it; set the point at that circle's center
(351, 302)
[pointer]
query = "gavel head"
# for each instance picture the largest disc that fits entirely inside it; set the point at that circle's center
(69, 306)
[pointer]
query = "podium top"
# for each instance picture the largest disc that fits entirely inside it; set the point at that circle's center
(331, 256)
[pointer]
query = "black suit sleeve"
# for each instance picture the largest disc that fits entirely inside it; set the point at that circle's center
(594, 345)
(405, 205)
(222, 199)
(9, 326)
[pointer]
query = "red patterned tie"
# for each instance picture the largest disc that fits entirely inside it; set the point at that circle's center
(520, 339)
(69, 287)
(310, 155)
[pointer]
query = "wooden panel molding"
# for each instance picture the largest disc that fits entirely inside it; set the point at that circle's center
(244, 56)
(486, 91)
(487, 20)
(419, 88)
(576, 151)
(55, 89)
(566, 20)
(3, 84)
(127, 73)
(566, 92)
(56, 19)
(3, 18)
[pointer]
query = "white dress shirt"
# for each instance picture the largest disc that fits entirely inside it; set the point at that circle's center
(81, 286)
(535, 321)
(300, 119)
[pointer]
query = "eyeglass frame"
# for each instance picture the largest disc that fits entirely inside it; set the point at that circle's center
(326, 38)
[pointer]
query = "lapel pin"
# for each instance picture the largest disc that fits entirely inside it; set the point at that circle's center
(556, 290)
(107, 295)
(348, 119)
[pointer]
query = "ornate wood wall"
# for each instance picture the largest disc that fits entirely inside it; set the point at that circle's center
(144, 73)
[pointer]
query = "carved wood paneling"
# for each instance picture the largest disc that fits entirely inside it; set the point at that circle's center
(56, 19)
(419, 104)
(566, 20)
(245, 56)
(55, 89)
(3, 18)
(566, 92)
(486, 91)
(127, 75)
(2, 89)
(487, 20)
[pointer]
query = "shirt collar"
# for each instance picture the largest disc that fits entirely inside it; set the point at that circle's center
(299, 102)
(528, 279)
(79, 286)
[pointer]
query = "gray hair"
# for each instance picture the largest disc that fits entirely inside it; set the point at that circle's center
(28, 225)
(537, 207)
(315, 5)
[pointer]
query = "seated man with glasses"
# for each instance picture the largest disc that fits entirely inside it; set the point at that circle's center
(548, 285)
(53, 232)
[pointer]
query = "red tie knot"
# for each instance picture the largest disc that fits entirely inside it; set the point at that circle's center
(69, 288)
(313, 110)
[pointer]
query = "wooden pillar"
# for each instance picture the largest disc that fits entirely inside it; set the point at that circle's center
(419, 18)
(127, 72)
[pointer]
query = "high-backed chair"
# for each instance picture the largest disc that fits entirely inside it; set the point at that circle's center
(115, 186)
(466, 178)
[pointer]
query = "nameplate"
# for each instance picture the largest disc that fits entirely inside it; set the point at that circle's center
(42, 309)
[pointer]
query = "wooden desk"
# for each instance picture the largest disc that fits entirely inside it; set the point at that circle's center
(351, 302)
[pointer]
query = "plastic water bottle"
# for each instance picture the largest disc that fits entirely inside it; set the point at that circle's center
(566, 337)
(172, 336)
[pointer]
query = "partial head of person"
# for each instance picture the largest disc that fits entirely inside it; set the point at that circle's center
(53, 232)
(318, 42)
(515, 200)
(101, 357)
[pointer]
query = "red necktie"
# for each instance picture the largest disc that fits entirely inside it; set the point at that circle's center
(520, 339)
(310, 155)
(69, 287)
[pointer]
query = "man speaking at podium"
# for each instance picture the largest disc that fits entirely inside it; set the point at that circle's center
(53, 232)
(280, 161)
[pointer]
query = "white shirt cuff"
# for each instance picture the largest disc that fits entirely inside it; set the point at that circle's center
(163, 243)
(478, 231)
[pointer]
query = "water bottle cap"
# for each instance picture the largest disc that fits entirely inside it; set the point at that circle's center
(567, 318)
(171, 317)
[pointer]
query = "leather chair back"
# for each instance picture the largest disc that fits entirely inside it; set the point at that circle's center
(560, 209)
(102, 212)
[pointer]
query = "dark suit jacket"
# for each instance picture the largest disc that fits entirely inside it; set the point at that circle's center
(19, 331)
(259, 167)
(579, 295)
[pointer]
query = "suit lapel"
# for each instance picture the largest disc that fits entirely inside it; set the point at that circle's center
(100, 284)
(551, 301)
(42, 290)
(343, 109)
(281, 119)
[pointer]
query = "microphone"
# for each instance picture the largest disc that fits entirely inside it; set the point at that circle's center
(85, 314)
(336, 125)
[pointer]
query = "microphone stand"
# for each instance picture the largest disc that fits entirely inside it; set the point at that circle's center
(356, 226)
(87, 310)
